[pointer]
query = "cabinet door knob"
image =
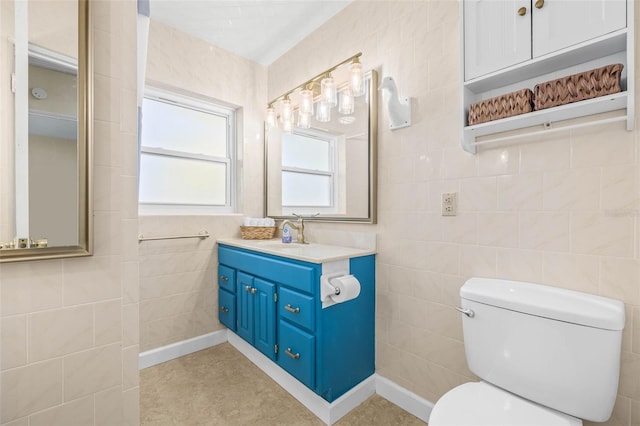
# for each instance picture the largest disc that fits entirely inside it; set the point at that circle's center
(522, 11)
(292, 309)
(254, 290)
(223, 309)
(539, 4)
(247, 288)
(291, 354)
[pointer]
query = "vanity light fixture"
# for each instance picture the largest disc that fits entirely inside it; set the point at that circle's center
(326, 101)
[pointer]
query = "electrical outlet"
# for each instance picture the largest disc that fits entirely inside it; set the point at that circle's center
(449, 203)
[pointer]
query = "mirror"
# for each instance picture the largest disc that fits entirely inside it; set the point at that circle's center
(45, 130)
(326, 172)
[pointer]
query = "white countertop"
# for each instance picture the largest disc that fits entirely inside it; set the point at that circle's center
(313, 252)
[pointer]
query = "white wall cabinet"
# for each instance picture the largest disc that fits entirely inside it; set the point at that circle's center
(509, 45)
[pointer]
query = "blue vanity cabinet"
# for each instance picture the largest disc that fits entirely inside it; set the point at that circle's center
(279, 311)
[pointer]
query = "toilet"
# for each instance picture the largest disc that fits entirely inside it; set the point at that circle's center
(545, 356)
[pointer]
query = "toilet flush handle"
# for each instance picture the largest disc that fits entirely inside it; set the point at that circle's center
(467, 312)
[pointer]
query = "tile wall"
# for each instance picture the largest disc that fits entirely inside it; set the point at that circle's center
(69, 342)
(178, 286)
(561, 211)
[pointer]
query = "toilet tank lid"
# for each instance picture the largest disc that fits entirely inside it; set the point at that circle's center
(545, 301)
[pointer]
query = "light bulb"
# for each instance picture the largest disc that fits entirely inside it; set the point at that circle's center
(347, 102)
(271, 117)
(304, 120)
(306, 101)
(287, 111)
(287, 126)
(356, 79)
(323, 112)
(328, 93)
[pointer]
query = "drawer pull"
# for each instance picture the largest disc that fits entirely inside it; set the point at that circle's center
(223, 309)
(223, 278)
(291, 354)
(292, 309)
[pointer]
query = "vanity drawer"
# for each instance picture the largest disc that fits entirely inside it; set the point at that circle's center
(296, 353)
(227, 278)
(296, 307)
(227, 309)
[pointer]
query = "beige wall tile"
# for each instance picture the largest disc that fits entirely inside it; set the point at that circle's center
(131, 407)
(109, 407)
(79, 411)
(130, 370)
(130, 324)
(619, 279)
(575, 272)
(14, 342)
(571, 190)
(619, 190)
(496, 229)
(596, 233)
(635, 338)
(91, 371)
(520, 265)
(544, 231)
(520, 192)
(60, 332)
(31, 388)
(91, 279)
(31, 286)
(107, 322)
(588, 149)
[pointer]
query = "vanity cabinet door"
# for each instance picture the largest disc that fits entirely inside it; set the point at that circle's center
(495, 35)
(558, 24)
(245, 307)
(264, 317)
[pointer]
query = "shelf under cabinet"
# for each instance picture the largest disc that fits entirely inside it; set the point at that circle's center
(607, 103)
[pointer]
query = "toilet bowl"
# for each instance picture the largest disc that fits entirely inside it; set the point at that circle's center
(545, 356)
(482, 404)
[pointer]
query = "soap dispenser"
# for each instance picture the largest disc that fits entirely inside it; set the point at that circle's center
(286, 234)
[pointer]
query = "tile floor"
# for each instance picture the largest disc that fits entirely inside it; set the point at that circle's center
(219, 386)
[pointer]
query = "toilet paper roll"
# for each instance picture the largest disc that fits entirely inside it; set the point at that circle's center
(349, 287)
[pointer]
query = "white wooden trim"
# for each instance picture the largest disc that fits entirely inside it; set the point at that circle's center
(178, 349)
(403, 398)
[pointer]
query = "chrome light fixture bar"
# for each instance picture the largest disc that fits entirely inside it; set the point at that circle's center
(328, 96)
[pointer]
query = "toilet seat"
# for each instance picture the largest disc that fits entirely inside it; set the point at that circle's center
(480, 403)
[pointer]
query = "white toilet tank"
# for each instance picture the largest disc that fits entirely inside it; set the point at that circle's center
(556, 347)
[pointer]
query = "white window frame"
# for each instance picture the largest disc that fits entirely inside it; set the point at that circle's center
(206, 106)
(332, 173)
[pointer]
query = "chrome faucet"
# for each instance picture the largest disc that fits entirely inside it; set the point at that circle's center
(298, 226)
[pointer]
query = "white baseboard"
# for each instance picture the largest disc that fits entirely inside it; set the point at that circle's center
(329, 413)
(403, 398)
(178, 349)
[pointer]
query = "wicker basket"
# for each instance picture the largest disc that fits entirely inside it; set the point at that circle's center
(257, 232)
(510, 104)
(578, 87)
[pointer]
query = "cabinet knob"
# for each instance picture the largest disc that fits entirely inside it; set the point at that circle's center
(291, 354)
(223, 309)
(254, 290)
(247, 288)
(522, 11)
(223, 278)
(539, 4)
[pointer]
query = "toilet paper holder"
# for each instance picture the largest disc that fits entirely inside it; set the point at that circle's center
(327, 289)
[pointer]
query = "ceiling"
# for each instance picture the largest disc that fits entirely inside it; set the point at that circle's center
(259, 30)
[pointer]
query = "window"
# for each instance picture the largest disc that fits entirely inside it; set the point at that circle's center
(308, 172)
(186, 155)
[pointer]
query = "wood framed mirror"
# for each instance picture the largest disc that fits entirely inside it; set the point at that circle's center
(45, 129)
